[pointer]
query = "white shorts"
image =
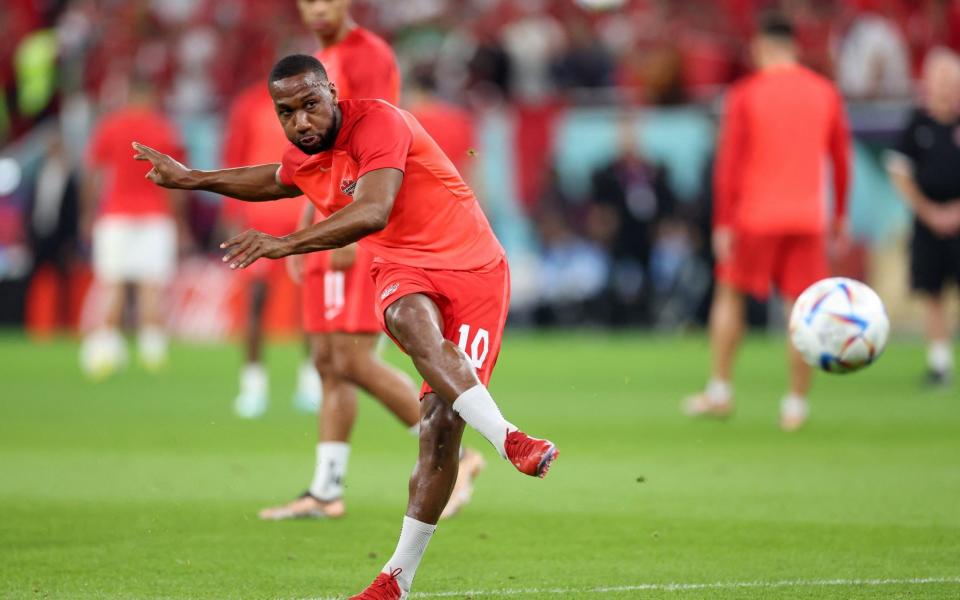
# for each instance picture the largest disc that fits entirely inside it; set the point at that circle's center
(135, 249)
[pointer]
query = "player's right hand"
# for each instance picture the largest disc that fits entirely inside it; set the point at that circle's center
(166, 171)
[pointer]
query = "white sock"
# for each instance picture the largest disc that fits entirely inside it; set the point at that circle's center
(477, 408)
(253, 379)
(152, 345)
(940, 356)
(719, 391)
(330, 471)
(414, 429)
(414, 537)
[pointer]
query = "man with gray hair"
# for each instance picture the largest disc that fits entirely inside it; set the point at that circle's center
(923, 167)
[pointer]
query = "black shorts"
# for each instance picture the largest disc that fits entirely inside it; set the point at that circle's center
(933, 260)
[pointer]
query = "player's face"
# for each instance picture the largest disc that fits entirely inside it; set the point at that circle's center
(323, 17)
(306, 105)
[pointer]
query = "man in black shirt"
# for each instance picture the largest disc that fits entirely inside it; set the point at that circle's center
(925, 168)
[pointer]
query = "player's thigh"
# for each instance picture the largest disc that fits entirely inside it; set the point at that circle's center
(929, 262)
(750, 267)
(476, 314)
(406, 305)
(801, 261)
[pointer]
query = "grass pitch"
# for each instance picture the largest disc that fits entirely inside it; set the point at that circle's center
(146, 487)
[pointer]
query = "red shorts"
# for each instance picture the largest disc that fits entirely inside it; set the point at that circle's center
(792, 262)
(473, 305)
(339, 301)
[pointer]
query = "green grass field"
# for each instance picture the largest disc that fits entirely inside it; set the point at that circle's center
(146, 487)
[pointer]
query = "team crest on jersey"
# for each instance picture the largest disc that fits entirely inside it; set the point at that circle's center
(390, 289)
(347, 186)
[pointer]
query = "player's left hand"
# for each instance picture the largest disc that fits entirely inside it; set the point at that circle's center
(247, 247)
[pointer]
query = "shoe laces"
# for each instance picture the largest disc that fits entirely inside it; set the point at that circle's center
(520, 445)
(381, 589)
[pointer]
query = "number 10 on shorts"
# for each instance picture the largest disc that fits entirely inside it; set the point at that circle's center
(476, 350)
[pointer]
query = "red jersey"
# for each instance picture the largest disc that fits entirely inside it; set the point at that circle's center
(450, 126)
(255, 138)
(436, 222)
(126, 191)
(362, 65)
(779, 127)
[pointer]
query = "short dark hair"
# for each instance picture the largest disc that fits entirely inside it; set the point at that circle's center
(296, 64)
(775, 25)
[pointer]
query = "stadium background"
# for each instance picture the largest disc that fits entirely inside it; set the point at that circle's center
(556, 90)
(145, 485)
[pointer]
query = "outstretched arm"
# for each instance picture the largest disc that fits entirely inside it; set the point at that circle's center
(256, 183)
(368, 213)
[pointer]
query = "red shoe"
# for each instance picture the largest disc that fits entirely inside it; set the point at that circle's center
(384, 587)
(529, 454)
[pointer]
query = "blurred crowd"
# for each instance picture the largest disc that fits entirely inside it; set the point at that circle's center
(630, 248)
(647, 51)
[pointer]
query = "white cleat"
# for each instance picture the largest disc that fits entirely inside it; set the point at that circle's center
(706, 405)
(103, 353)
(307, 506)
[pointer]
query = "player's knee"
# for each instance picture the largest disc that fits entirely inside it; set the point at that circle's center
(441, 428)
(411, 324)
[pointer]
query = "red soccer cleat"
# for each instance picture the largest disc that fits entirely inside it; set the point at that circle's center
(384, 587)
(530, 455)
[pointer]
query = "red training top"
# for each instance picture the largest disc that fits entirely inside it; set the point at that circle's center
(780, 125)
(126, 191)
(436, 222)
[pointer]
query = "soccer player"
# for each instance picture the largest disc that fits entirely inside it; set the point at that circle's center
(339, 314)
(133, 228)
(770, 219)
(441, 276)
(252, 136)
(923, 167)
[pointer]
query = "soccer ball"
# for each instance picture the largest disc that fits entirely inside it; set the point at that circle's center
(839, 325)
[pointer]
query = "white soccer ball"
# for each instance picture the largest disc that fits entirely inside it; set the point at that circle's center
(839, 325)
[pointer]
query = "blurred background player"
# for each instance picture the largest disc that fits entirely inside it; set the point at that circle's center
(253, 138)
(925, 167)
(133, 228)
(339, 313)
(770, 214)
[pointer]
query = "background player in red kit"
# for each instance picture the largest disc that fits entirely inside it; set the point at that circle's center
(252, 138)
(338, 294)
(770, 211)
(134, 229)
(440, 273)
